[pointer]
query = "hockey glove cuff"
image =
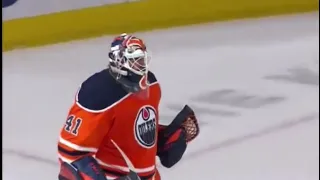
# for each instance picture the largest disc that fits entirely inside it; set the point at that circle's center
(85, 168)
(172, 150)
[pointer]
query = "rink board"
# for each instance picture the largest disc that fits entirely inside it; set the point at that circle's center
(137, 16)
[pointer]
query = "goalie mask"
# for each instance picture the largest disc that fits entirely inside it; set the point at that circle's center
(129, 64)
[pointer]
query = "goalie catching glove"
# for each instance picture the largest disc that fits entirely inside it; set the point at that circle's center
(173, 139)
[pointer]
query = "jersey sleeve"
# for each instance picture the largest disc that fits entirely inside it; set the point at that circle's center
(83, 133)
(87, 124)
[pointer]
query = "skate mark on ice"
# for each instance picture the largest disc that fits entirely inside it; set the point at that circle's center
(253, 135)
(200, 111)
(204, 110)
(303, 76)
(28, 156)
(224, 144)
(237, 99)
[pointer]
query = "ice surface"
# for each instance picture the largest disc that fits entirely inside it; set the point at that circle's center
(266, 127)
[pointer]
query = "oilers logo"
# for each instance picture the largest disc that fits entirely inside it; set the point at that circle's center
(145, 127)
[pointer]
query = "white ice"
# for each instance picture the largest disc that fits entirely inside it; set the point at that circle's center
(275, 142)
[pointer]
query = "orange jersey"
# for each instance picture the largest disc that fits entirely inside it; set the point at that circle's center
(104, 111)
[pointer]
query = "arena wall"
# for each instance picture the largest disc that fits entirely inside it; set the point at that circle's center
(28, 23)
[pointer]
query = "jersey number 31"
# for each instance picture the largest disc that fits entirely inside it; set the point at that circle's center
(72, 125)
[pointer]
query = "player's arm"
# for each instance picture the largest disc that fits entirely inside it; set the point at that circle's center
(173, 139)
(80, 139)
(88, 123)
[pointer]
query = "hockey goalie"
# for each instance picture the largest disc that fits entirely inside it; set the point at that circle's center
(112, 130)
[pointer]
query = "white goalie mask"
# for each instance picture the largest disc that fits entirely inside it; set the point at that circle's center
(129, 63)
